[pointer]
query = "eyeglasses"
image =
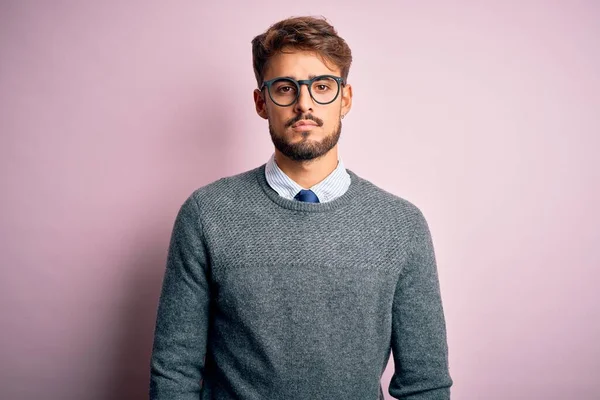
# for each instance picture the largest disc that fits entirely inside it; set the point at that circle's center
(323, 89)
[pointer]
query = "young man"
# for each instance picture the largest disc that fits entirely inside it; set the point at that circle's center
(296, 279)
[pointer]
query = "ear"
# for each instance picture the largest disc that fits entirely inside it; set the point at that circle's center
(260, 104)
(346, 99)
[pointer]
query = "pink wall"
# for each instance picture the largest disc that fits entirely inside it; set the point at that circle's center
(485, 116)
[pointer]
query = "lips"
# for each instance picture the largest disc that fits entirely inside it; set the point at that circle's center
(304, 123)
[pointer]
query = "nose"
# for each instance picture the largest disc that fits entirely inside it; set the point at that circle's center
(305, 101)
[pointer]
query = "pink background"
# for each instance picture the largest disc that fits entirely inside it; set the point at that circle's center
(484, 114)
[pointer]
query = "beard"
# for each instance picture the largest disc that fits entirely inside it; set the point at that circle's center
(305, 149)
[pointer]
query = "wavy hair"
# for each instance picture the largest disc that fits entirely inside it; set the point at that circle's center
(301, 33)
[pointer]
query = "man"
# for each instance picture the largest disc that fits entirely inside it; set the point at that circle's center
(296, 279)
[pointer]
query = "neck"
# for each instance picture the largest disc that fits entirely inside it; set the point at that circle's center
(310, 172)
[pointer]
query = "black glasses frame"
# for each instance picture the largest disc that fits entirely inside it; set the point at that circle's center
(308, 82)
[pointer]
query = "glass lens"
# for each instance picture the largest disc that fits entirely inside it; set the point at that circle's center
(324, 89)
(283, 91)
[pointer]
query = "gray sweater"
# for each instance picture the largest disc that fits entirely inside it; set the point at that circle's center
(266, 298)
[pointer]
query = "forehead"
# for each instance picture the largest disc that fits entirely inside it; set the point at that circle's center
(298, 64)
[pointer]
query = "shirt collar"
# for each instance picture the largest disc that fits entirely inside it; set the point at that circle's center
(334, 185)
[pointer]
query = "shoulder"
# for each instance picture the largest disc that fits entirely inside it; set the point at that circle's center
(391, 205)
(228, 185)
(224, 191)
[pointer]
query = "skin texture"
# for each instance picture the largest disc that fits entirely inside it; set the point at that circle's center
(310, 156)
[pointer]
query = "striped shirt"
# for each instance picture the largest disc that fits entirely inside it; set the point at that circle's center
(330, 188)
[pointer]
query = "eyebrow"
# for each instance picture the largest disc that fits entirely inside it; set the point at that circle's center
(311, 76)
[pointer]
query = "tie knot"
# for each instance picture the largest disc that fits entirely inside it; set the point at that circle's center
(307, 195)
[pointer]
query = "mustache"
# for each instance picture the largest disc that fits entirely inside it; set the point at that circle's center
(301, 117)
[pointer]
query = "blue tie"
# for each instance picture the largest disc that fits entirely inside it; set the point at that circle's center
(307, 195)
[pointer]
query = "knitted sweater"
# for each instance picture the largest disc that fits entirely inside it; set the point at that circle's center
(266, 298)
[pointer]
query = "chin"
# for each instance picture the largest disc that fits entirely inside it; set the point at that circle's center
(308, 137)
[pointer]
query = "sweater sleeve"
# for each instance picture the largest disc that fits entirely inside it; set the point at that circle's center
(180, 337)
(419, 344)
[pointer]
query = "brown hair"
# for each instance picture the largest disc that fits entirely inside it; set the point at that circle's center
(301, 33)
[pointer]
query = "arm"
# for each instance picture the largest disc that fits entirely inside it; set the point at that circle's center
(180, 336)
(419, 343)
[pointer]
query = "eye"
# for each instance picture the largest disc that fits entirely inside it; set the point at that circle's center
(286, 89)
(324, 85)
(283, 87)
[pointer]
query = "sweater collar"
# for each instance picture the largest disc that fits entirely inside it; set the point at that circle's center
(351, 196)
(330, 188)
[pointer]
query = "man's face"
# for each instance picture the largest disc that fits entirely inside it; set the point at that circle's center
(306, 129)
